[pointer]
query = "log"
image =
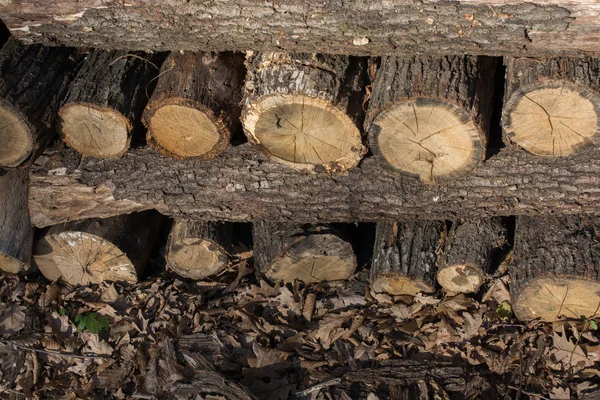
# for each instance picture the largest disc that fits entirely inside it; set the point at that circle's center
(104, 102)
(199, 250)
(552, 106)
(555, 270)
(430, 117)
(34, 80)
(295, 109)
(196, 104)
(243, 186)
(16, 231)
(406, 256)
(97, 250)
(286, 252)
(471, 253)
(491, 27)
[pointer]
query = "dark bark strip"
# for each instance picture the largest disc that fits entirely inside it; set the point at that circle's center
(243, 185)
(419, 27)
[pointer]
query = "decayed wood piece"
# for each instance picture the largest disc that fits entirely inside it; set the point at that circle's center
(16, 232)
(555, 270)
(243, 185)
(197, 250)
(430, 117)
(33, 80)
(97, 250)
(406, 256)
(400, 26)
(552, 106)
(295, 109)
(196, 104)
(472, 247)
(285, 252)
(105, 101)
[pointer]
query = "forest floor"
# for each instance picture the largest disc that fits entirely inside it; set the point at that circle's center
(336, 340)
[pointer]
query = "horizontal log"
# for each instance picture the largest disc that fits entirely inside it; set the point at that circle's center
(494, 27)
(243, 185)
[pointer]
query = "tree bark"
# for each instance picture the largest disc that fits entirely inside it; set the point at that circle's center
(105, 101)
(198, 250)
(242, 185)
(472, 249)
(196, 104)
(16, 232)
(430, 117)
(493, 27)
(552, 106)
(285, 252)
(289, 99)
(555, 270)
(406, 256)
(34, 80)
(97, 250)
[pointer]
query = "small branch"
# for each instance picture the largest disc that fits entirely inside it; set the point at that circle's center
(318, 387)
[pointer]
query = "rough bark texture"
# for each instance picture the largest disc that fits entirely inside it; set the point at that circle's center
(524, 74)
(471, 250)
(208, 82)
(108, 82)
(399, 26)
(16, 232)
(406, 256)
(308, 253)
(555, 270)
(289, 82)
(464, 81)
(242, 185)
(198, 250)
(33, 81)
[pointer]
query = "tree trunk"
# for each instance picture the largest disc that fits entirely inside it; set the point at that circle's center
(16, 232)
(243, 186)
(34, 80)
(493, 27)
(552, 106)
(196, 104)
(296, 110)
(285, 252)
(97, 250)
(430, 117)
(555, 271)
(197, 250)
(472, 250)
(105, 101)
(406, 256)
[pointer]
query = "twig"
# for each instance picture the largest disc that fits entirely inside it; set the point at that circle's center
(539, 396)
(319, 386)
(134, 56)
(584, 330)
(55, 353)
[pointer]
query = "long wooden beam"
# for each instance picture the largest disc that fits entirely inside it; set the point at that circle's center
(493, 27)
(243, 185)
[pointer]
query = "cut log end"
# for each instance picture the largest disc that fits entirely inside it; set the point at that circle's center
(15, 138)
(552, 297)
(399, 284)
(552, 118)
(94, 131)
(197, 258)
(183, 131)
(315, 258)
(426, 138)
(12, 265)
(81, 258)
(461, 278)
(304, 132)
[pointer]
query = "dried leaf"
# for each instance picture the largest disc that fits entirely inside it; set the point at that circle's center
(567, 353)
(559, 393)
(12, 319)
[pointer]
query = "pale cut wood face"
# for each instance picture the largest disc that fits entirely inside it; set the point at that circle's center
(10, 264)
(429, 139)
(552, 121)
(16, 142)
(94, 132)
(461, 278)
(197, 258)
(184, 131)
(552, 297)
